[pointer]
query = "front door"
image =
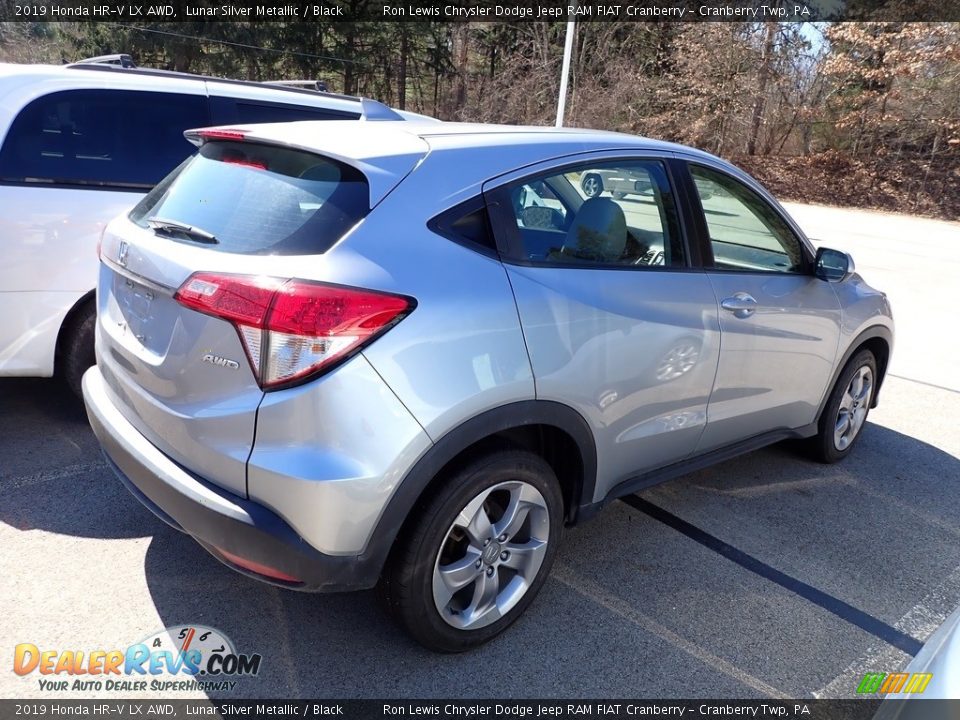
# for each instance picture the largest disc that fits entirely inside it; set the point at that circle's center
(780, 325)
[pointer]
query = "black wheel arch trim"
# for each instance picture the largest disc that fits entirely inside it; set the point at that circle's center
(881, 332)
(450, 445)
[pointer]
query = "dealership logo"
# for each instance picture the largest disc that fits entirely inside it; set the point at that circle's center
(183, 657)
(883, 683)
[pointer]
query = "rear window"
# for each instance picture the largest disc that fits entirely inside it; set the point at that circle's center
(257, 199)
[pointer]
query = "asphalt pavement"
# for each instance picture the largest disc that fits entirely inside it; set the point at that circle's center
(765, 576)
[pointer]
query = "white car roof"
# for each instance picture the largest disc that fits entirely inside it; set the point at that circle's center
(51, 78)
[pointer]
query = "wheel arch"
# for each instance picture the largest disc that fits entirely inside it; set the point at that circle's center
(879, 340)
(552, 430)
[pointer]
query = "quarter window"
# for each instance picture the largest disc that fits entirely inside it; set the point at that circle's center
(619, 214)
(746, 233)
(252, 112)
(101, 137)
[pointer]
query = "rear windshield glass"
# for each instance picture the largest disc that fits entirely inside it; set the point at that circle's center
(242, 197)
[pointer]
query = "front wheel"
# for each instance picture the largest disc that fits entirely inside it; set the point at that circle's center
(846, 410)
(478, 553)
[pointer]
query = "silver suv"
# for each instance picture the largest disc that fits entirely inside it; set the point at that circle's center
(407, 355)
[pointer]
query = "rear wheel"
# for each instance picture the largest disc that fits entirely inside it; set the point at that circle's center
(76, 351)
(478, 553)
(846, 411)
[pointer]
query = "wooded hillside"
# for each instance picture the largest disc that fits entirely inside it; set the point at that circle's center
(859, 113)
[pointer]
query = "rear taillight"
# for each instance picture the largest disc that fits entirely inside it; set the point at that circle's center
(294, 329)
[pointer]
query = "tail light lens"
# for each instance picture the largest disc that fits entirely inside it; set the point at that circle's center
(294, 329)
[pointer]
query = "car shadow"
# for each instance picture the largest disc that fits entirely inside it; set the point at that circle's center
(53, 476)
(343, 646)
(768, 503)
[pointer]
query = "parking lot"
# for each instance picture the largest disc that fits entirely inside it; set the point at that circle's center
(766, 576)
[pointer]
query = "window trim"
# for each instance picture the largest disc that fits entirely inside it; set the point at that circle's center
(442, 224)
(507, 236)
(702, 232)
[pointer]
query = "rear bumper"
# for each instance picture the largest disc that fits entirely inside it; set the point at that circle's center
(218, 520)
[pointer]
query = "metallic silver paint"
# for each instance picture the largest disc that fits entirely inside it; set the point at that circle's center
(659, 370)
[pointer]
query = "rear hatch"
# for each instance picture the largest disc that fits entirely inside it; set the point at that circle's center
(185, 275)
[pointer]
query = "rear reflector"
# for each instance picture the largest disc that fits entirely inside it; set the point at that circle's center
(293, 330)
(256, 567)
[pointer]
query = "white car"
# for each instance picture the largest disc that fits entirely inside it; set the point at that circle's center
(82, 143)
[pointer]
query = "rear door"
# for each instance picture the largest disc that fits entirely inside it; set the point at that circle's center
(780, 324)
(617, 324)
(188, 380)
(72, 160)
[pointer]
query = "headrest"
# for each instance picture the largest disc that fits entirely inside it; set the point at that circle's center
(598, 232)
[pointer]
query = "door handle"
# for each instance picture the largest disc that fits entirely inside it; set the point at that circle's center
(741, 304)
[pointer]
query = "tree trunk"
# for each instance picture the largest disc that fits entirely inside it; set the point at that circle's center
(402, 70)
(766, 60)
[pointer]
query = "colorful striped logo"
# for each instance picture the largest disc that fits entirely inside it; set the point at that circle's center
(884, 683)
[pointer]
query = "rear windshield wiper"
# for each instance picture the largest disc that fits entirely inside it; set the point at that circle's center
(179, 228)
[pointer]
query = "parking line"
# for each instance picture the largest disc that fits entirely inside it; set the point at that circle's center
(592, 591)
(924, 382)
(831, 604)
(921, 621)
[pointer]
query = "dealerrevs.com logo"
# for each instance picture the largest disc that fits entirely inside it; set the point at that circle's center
(184, 657)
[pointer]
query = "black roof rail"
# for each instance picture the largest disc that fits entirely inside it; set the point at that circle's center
(155, 72)
(316, 85)
(117, 59)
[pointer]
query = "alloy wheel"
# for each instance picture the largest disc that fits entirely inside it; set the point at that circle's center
(491, 555)
(854, 405)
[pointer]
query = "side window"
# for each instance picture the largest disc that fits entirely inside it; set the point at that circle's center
(249, 112)
(101, 137)
(468, 225)
(611, 214)
(745, 232)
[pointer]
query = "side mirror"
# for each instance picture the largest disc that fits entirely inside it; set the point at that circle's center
(833, 265)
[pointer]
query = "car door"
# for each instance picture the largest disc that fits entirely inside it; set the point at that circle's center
(779, 324)
(617, 324)
(71, 161)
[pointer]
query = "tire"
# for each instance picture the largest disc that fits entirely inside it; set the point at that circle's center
(76, 352)
(466, 613)
(845, 413)
(592, 185)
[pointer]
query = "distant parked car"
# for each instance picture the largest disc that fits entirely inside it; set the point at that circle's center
(406, 355)
(82, 143)
(620, 183)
